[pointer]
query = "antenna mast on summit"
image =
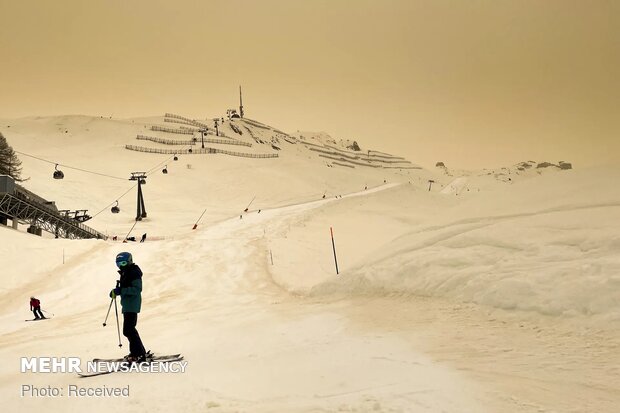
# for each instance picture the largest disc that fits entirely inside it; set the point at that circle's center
(240, 103)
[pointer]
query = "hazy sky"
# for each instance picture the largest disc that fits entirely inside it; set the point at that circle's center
(470, 83)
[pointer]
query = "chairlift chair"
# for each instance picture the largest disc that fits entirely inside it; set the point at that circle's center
(190, 150)
(142, 181)
(115, 209)
(58, 174)
(165, 170)
(176, 158)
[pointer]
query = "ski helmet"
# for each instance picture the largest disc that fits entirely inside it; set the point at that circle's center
(124, 259)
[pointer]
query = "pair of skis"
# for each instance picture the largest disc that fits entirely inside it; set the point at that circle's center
(160, 359)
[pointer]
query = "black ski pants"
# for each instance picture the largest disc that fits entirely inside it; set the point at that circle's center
(129, 330)
(37, 312)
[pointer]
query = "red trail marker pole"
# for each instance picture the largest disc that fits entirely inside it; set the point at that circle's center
(334, 248)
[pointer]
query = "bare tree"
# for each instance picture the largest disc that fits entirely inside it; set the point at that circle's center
(9, 163)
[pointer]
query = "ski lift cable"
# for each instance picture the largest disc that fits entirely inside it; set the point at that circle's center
(70, 167)
(133, 186)
(132, 227)
(115, 200)
(126, 192)
(150, 171)
(83, 170)
(165, 161)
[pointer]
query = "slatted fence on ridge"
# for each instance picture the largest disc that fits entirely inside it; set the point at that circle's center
(192, 142)
(172, 130)
(196, 151)
(185, 120)
(334, 158)
(165, 141)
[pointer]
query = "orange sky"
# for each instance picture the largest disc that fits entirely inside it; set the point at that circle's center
(470, 83)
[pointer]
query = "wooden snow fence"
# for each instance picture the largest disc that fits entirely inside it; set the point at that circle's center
(196, 151)
(165, 141)
(235, 128)
(172, 130)
(171, 117)
(342, 159)
(342, 164)
(192, 142)
(256, 123)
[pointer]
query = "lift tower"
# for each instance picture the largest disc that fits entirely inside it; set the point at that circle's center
(141, 178)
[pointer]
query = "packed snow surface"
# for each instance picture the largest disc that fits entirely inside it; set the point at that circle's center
(495, 291)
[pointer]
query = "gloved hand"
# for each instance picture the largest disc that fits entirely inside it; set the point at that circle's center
(115, 292)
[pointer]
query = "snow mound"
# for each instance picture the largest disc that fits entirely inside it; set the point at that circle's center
(548, 265)
(537, 246)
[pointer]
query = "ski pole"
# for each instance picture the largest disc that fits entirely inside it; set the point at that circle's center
(117, 326)
(106, 316)
(47, 312)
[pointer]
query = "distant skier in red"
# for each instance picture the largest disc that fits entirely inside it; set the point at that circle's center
(35, 307)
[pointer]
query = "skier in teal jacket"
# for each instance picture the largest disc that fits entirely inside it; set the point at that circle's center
(129, 288)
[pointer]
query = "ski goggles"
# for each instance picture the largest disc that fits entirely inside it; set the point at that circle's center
(120, 264)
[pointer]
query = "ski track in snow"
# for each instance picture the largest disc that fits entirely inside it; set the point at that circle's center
(235, 293)
(250, 325)
(254, 343)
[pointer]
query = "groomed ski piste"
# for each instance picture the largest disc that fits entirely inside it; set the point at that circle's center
(482, 295)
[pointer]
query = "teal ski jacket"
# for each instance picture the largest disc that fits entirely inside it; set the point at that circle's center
(131, 288)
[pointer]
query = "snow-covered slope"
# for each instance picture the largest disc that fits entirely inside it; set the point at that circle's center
(550, 247)
(222, 184)
(434, 291)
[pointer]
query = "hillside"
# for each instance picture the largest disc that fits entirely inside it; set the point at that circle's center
(221, 183)
(482, 294)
